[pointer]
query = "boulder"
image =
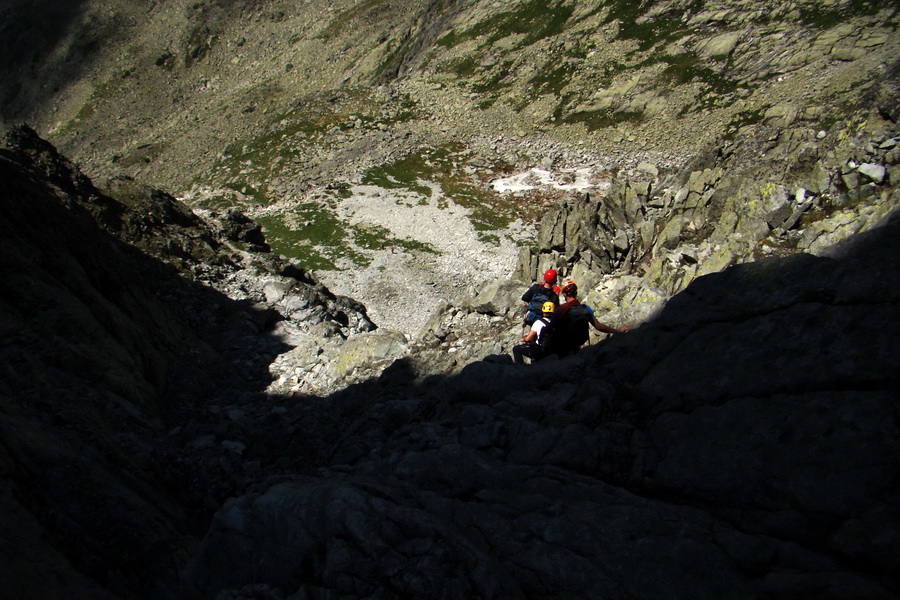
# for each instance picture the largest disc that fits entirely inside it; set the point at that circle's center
(366, 351)
(721, 45)
(499, 297)
(874, 172)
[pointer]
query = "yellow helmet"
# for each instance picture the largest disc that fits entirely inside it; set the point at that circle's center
(548, 307)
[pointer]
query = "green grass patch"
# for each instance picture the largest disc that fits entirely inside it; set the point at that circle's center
(414, 245)
(219, 203)
(647, 33)
(400, 175)
(826, 18)
(488, 210)
(312, 235)
(316, 225)
(371, 237)
(309, 234)
(534, 19)
(102, 93)
(485, 211)
(407, 173)
(259, 194)
(376, 237)
(339, 189)
(291, 134)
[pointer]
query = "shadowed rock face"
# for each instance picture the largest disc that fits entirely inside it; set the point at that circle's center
(741, 445)
(113, 342)
(85, 349)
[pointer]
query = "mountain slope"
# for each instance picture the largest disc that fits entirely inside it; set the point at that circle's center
(288, 110)
(742, 443)
(161, 426)
(166, 90)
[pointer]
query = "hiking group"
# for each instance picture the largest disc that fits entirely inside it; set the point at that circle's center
(559, 329)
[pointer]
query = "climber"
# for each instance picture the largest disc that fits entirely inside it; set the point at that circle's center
(534, 342)
(538, 294)
(570, 324)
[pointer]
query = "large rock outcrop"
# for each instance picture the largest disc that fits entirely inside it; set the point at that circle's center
(772, 190)
(122, 319)
(742, 444)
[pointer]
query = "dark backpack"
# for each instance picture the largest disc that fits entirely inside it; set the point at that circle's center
(571, 329)
(545, 337)
(533, 310)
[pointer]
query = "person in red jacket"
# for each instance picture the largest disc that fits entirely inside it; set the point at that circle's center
(570, 324)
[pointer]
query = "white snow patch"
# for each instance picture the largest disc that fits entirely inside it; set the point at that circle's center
(578, 180)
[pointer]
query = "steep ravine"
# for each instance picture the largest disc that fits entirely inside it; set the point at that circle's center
(739, 444)
(187, 414)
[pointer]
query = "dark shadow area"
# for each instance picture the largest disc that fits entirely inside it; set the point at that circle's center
(47, 45)
(741, 445)
(32, 32)
(123, 382)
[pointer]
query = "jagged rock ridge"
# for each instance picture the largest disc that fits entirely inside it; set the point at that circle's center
(771, 191)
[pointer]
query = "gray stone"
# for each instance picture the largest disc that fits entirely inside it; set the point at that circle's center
(499, 298)
(365, 350)
(777, 217)
(847, 54)
(275, 290)
(721, 45)
(851, 180)
(649, 169)
(874, 172)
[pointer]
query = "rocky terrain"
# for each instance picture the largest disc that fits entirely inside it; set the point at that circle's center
(256, 332)
(282, 108)
(741, 443)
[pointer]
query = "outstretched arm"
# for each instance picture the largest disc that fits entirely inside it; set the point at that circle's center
(606, 328)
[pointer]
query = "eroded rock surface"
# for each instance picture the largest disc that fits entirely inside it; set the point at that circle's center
(707, 454)
(120, 318)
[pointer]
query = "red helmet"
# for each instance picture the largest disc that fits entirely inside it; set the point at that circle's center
(550, 276)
